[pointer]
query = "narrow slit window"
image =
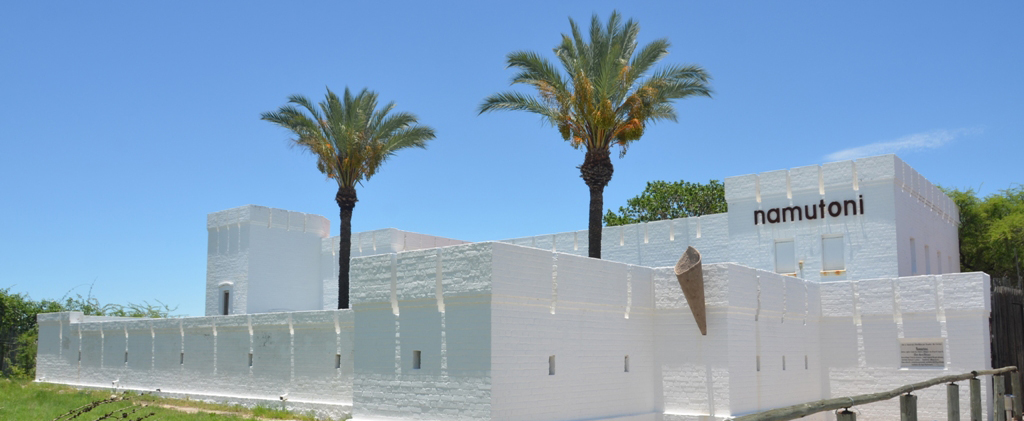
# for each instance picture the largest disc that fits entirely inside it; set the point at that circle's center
(126, 357)
(227, 303)
(758, 363)
(337, 361)
(79, 356)
(783, 363)
(551, 365)
(805, 362)
(250, 359)
(627, 364)
(182, 359)
(913, 257)
(927, 261)
(416, 360)
(938, 263)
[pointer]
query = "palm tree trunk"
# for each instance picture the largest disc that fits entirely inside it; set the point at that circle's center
(346, 199)
(596, 171)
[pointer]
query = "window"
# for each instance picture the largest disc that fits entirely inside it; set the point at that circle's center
(551, 365)
(250, 359)
(832, 256)
(416, 360)
(927, 261)
(337, 361)
(938, 262)
(226, 307)
(785, 257)
(913, 257)
(627, 364)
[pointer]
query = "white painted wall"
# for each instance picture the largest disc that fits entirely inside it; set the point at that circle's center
(269, 260)
(294, 355)
(434, 301)
(862, 322)
(370, 243)
(273, 260)
(484, 318)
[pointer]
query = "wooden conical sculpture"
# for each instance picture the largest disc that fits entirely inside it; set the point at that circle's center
(691, 279)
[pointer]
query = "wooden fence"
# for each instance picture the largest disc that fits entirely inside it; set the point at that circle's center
(908, 402)
(1007, 328)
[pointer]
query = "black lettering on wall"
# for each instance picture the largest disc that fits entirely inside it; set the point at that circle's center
(815, 211)
(847, 204)
(794, 213)
(835, 208)
(756, 213)
(809, 214)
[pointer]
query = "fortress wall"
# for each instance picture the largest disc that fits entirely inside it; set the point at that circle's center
(863, 322)
(294, 355)
(650, 244)
(924, 213)
(435, 303)
(868, 229)
(589, 315)
(369, 243)
(762, 327)
(252, 249)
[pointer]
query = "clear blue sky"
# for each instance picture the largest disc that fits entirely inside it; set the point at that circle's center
(124, 124)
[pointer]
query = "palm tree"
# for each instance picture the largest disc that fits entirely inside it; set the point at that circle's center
(351, 138)
(607, 96)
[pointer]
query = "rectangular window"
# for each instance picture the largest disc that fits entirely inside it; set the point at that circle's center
(927, 261)
(416, 360)
(227, 303)
(551, 365)
(913, 257)
(938, 262)
(785, 257)
(337, 361)
(832, 255)
(126, 358)
(627, 363)
(250, 359)
(182, 360)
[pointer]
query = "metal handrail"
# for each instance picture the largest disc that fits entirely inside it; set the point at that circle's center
(805, 409)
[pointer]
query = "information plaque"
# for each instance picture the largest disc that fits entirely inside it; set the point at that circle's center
(922, 353)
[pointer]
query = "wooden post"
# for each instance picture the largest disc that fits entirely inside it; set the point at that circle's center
(846, 415)
(975, 399)
(908, 407)
(1018, 396)
(1000, 404)
(953, 402)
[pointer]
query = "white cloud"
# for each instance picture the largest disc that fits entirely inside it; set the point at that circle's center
(917, 141)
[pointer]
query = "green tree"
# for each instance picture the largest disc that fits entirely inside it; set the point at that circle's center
(991, 231)
(19, 331)
(607, 95)
(351, 138)
(664, 200)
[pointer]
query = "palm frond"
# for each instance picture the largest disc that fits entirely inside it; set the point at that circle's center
(350, 135)
(516, 101)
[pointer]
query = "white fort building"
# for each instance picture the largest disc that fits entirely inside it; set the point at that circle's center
(816, 280)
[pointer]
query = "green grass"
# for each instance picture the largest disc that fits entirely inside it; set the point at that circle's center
(28, 401)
